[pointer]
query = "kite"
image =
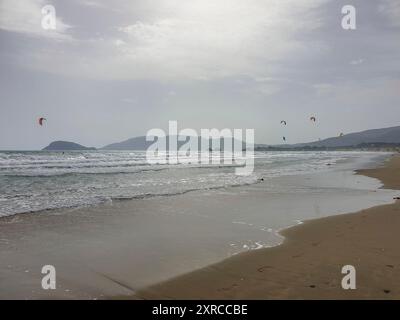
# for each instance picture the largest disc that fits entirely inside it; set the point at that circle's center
(313, 119)
(284, 138)
(283, 122)
(41, 120)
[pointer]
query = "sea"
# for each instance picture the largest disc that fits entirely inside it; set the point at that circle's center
(33, 181)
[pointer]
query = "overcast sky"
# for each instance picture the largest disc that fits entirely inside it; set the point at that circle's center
(114, 70)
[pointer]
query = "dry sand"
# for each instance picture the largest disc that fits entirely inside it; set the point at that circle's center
(308, 264)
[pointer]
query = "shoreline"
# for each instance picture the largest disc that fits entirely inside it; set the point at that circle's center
(308, 263)
(116, 199)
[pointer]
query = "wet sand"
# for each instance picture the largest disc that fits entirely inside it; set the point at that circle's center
(309, 262)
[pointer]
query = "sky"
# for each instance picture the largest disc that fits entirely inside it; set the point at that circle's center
(114, 70)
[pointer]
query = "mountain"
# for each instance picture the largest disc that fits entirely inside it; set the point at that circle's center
(383, 136)
(140, 143)
(367, 138)
(65, 146)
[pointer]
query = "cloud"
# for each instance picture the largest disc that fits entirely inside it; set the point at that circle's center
(196, 40)
(26, 17)
(203, 39)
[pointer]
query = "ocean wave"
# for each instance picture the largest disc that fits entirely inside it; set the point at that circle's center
(111, 177)
(97, 200)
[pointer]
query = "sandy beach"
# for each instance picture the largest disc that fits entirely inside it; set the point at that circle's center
(308, 264)
(149, 248)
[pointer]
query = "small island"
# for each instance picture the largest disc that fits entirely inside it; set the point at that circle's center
(65, 146)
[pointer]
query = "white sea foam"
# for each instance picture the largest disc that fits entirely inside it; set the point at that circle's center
(34, 181)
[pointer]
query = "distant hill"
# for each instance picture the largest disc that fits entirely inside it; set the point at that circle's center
(137, 143)
(367, 138)
(385, 137)
(65, 146)
(140, 143)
